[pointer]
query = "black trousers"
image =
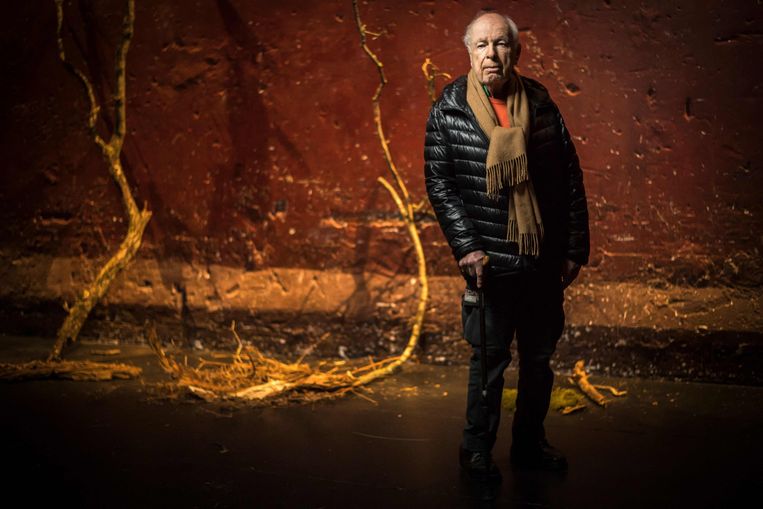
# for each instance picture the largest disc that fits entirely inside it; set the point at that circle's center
(530, 305)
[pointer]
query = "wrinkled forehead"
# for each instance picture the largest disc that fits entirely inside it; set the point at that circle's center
(490, 27)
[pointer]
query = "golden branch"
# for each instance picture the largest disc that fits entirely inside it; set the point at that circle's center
(377, 109)
(93, 108)
(405, 207)
(613, 390)
(67, 370)
(273, 378)
(138, 219)
(580, 377)
(120, 119)
(431, 72)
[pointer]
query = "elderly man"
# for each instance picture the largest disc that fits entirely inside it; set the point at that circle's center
(505, 183)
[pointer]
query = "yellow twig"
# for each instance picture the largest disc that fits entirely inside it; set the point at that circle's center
(613, 390)
(93, 107)
(68, 370)
(377, 109)
(138, 219)
(405, 208)
(275, 378)
(431, 72)
(580, 377)
(569, 409)
(361, 395)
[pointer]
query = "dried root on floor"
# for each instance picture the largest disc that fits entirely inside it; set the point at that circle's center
(254, 377)
(400, 195)
(563, 400)
(67, 370)
(571, 409)
(613, 390)
(106, 353)
(567, 400)
(580, 378)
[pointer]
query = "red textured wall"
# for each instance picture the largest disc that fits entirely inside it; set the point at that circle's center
(251, 138)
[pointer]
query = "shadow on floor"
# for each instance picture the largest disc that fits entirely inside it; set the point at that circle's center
(112, 444)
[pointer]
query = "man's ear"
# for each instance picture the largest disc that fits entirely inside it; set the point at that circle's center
(515, 57)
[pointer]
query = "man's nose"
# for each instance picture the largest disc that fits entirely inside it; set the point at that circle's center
(491, 51)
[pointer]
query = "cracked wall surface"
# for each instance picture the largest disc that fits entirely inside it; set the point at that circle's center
(251, 138)
(251, 135)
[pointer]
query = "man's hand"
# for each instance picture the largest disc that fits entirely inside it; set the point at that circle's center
(473, 265)
(570, 271)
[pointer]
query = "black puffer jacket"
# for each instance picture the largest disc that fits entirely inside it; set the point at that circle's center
(454, 154)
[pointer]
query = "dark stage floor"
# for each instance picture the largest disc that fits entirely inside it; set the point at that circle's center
(111, 444)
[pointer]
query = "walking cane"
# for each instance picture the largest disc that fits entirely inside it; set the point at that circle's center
(483, 338)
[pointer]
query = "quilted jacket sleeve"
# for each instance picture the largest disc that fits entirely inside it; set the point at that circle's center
(443, 191)
(578, 237)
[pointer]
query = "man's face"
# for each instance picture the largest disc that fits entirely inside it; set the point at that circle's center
(490, 50)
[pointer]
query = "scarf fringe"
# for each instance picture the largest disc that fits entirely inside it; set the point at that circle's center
(529, 243)
(506, 174)
(508, 167)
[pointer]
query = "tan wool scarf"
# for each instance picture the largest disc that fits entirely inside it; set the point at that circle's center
(507, 160)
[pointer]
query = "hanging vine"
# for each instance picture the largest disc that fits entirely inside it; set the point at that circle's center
(254, 377)
(431, 73)
(400, 196)
(54, 366)
(111, 150)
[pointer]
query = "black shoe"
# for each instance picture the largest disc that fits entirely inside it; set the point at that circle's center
(478, 464)
(539, 456)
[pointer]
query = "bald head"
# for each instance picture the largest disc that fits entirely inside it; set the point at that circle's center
(513, 31)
